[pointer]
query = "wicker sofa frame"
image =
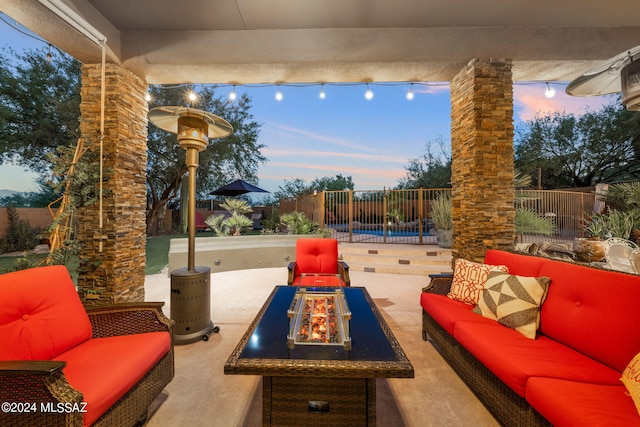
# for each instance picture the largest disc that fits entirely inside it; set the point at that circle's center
(37, 382)
(505, 405)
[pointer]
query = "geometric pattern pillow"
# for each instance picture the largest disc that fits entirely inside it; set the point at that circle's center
(631, 380)
(514, 301)
(469, 278)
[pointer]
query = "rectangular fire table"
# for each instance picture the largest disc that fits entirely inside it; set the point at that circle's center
(319, 384)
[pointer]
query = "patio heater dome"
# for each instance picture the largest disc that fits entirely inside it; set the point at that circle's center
(618, 74)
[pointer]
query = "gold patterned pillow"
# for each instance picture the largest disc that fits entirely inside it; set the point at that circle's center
(631, 380)
(469, 278)
(514, 301)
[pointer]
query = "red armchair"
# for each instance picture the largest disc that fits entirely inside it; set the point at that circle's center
(317, 264)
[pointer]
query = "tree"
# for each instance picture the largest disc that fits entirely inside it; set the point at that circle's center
(597, 147)
(40, 199)
(236, 156)
(298, 187)
(430, 171)
(39, 106)
(291, 189)
(329, 183)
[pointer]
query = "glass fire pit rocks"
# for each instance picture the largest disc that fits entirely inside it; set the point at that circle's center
(319, 318)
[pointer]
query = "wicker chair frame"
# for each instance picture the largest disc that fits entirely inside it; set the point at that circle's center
(505, 405)
(43, 382)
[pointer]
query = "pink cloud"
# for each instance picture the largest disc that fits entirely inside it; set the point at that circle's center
(530, 99)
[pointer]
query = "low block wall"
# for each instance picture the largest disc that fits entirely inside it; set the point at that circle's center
(236, 252)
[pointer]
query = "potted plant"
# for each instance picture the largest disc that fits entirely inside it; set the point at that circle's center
(613, 223)
(442, 218)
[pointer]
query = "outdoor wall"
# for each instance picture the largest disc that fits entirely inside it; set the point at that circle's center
(36, 217)
(482, 158)
(236, 252)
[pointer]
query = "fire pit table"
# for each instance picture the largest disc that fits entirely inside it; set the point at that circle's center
(319, 384)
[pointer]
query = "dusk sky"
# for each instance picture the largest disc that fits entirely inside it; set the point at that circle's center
(370, 140)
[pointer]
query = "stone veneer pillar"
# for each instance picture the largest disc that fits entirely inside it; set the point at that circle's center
(482, 158)
(115, 272)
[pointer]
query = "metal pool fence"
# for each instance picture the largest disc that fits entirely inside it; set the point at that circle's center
(404, 216)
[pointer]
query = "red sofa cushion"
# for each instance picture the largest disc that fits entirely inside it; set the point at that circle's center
(316, 256)
(519, 265)
(514, 358)
(104, 369)
(42, 315)
(569, 403)
(447, 312)
(596, 312)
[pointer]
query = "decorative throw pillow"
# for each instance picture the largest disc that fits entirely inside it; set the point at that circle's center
(631, 380)
(514, 301)
(469, 278)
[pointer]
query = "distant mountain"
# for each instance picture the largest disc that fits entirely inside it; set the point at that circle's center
(7, 193)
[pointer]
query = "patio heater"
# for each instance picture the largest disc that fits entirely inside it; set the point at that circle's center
(190, 286)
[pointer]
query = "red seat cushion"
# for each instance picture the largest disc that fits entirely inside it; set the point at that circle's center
(569, 403)
(447, 312)
(514, 358)
(319, 281)
(104, 369)
(42, 315)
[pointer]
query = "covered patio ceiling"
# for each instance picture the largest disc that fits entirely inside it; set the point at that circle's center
(293, 41)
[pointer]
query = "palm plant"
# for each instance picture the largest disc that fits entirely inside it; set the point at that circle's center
(234, 224)
(298, 223)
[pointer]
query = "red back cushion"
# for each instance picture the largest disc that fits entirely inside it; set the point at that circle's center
(41, 314)
(520, 265)
(318, 256)
(597, 312)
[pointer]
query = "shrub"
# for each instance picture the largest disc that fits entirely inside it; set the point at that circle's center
(298, 223)
(20, 235)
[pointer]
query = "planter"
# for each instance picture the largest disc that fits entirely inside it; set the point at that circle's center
(445, 238)
(589, 250)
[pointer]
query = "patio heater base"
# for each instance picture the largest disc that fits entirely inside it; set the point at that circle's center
(191, 305)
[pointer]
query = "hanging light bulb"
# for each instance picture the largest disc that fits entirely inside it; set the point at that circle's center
(550, 92)
(147, 97)
(232, 95)
(410, 93)
(192, 97)
(279, 94)
(322, 95)
(368, 94)
(49, 56)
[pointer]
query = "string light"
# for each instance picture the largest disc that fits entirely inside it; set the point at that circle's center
(368, 94)
(410, 93)
(550, 92)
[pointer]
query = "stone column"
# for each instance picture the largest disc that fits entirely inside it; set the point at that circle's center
(483, 158)
(112, 260)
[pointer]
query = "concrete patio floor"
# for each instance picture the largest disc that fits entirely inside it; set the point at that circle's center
(201, 395)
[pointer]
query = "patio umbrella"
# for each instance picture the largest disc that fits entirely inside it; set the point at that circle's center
(236, 188)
